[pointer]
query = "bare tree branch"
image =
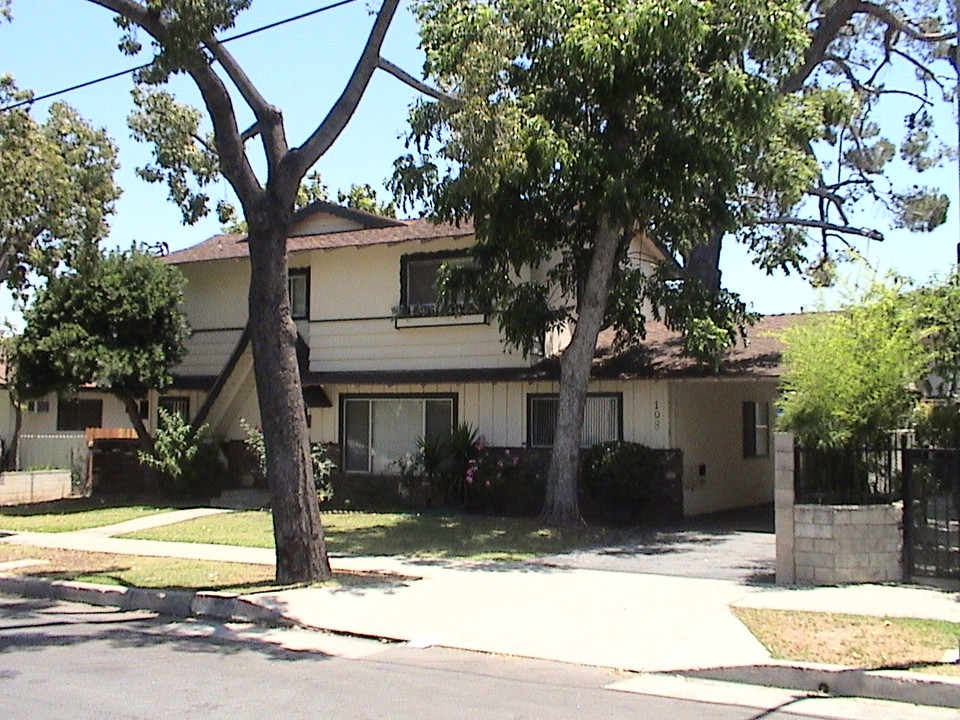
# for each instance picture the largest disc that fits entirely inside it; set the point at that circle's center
(269, 118)
(828, 28)
(303, 158)
(829, 25)
(900, 24)
(250, 132)
(405, 77)
(820, 225)
(207, 146)
(928, 74)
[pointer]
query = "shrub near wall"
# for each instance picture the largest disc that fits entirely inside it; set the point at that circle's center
(624, 482)
(497, 481)
(508, 481)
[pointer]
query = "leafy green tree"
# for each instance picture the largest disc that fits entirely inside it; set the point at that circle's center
(313, 189)
(188, 465)
(182, 36)
(57, 190)
(848, 376)
(114, 321)
(364, 197)
(579, 127)
(868, 68)
(937, 310)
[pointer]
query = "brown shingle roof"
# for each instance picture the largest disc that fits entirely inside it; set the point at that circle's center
(660, 354)
(221, 247)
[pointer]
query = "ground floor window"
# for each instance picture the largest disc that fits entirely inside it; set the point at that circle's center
(178, 405)
(756, 429)
(377, 432)
(602, 419)
(75, 414)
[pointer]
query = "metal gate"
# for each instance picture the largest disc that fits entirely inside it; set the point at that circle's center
(931, 513)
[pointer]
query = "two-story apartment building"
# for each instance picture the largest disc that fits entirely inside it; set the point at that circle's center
(381, 368)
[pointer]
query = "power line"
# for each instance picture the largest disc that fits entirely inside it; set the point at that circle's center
(121, 73)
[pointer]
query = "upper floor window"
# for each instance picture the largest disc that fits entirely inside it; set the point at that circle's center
(756, 429)
(419, 272)
(602, 419)
(298, 287)
(79, 413)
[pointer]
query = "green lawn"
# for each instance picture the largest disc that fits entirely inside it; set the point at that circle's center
(69, 515)
(137, 571)
(361, 533)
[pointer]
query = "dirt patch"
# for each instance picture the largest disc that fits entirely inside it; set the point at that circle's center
(855, 640)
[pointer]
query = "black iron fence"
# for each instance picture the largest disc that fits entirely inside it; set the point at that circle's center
(849, 476)
(931, 513)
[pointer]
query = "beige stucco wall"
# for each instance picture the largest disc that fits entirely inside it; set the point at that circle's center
(353, 293)
(8, 417)
(706, 423)
(215, 301)
(321, 223)
(17, 488)
(216, 293)
(114, 415)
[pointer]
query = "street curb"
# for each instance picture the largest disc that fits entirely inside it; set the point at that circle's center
(894, 685)
(175, 603)
(891, 685)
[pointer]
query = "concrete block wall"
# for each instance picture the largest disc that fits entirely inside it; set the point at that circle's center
(18, 488)
(832, 544)
(835, 544)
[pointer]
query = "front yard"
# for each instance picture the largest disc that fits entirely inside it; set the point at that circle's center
(411, 535)
(71, 515)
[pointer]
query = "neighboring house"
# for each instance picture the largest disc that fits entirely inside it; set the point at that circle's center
(381, 368)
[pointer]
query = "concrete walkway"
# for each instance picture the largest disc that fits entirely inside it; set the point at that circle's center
(631, 621)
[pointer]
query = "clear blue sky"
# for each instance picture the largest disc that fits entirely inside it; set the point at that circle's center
(301, 67)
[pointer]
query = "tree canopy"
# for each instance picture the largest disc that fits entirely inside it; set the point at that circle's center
(580, 127)
(847, 375)
(181, 35)
(57, 191)
(852, 376)
(114, 321)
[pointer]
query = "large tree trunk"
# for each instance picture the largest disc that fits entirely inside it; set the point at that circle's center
(561, 506)
(9, 460)
(133, 414)
(704, 262)
(301, 551)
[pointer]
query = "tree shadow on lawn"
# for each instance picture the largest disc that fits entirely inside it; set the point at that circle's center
(342, 581)
(457, 537)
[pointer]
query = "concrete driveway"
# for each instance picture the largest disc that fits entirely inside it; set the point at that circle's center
(737, 545)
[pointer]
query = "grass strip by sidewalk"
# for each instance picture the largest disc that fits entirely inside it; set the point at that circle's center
(855, 640)
(139, 571)
(379, 534)
(163, 573)
(72, 514)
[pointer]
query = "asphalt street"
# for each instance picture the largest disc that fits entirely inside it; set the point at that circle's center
(62, 660)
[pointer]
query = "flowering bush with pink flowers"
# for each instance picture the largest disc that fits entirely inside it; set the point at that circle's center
(463, 471)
